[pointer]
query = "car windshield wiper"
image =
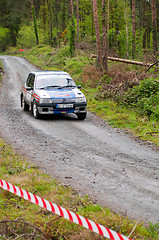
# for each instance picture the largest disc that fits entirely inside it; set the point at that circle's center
(50, 87)
(67, 86)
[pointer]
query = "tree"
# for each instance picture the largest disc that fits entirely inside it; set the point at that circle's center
(44, 17)
(127, 33)
(4, 38)
(96, 23)
(51, 21)
(11, 17)
(133, 28)
(154, 25)
(72, 30)
(77, 20)
(71, 6)
(108, 23)
(144, 8)
(104, 35)
(35, 24)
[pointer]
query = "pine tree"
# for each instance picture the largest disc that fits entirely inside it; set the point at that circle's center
(104, 36)
(35, 24)
(154, 25)
(98, 42)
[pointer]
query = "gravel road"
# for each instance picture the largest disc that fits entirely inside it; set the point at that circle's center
(90, 156)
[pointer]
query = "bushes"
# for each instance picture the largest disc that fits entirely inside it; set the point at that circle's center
(145, 98)
(26, 37)
(4, 38)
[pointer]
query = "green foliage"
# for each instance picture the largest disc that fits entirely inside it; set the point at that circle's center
(44, 21)
(10, 17)
(4, 38)
(72, 36)
(85, 13)
(106, 79)
(35, 24)
(117, 22)
(27, 38)
(63, 15)
(145, 98)
(153, 230)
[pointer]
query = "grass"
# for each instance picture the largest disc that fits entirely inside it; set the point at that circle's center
(20, 172)
(121, 117)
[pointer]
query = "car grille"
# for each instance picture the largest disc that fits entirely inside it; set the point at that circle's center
(63, 100)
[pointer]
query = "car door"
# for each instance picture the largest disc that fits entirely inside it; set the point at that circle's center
(29, 87)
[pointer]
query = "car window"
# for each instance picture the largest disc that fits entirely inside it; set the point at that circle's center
(44, 81)
(30, 80)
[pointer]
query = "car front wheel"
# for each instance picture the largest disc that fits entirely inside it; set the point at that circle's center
(81, 116)
(35, 110)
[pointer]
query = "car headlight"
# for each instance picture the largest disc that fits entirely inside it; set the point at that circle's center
(45, 100)
(80, 100)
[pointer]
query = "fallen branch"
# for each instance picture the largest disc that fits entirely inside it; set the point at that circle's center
(151, 66)
(23, 236)
(125, 61)
(133, 228)
(129, 61)
(151, 133)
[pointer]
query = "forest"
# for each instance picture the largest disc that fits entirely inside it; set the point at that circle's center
(120, 28)
(81, 37)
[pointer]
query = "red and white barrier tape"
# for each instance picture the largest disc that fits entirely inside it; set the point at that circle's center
(86, 223)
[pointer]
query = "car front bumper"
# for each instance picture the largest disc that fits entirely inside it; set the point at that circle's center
(54, 109)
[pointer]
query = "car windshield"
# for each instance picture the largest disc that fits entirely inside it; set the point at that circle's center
(54, 81)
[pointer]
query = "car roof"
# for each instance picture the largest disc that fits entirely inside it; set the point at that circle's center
(37, 73)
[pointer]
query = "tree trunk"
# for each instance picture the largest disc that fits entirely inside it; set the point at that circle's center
(51, 21)
(35, 25)
(133, 28)
(72, 31)
(77, 20)
(104, 36)
(92, 23)
(71, 6)
(127, 32)
(96, 23)
(154, 25)
(108, 3)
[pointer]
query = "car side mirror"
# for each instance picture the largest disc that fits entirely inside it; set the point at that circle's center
(79, 86)
(29, 88)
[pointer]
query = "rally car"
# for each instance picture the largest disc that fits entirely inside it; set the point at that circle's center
(52, 92)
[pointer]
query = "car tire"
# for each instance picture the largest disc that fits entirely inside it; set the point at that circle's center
(35, 111)
(25, 106)
(81, 116)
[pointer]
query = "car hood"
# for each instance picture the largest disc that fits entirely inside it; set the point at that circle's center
(59, 93)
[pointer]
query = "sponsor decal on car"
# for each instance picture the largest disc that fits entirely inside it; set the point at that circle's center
(61, 93)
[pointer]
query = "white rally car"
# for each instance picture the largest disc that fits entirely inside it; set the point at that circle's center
(51, 92)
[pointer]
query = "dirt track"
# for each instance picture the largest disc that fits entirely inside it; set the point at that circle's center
(90, 156)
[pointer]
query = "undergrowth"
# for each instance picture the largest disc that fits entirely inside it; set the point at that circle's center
(20, 172)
